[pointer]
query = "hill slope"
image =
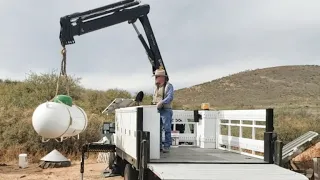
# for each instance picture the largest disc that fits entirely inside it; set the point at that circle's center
(269, 87)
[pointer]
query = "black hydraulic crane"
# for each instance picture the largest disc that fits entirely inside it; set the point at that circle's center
(129, 11)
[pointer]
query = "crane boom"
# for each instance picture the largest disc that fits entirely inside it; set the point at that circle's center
(130, 11)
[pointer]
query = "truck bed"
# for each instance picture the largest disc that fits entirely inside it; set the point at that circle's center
(204, 155)
(192, 163)
(179, 171)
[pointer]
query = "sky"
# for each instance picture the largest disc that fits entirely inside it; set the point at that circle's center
(199, 42)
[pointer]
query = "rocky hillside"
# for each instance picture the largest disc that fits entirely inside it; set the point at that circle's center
(270, 87)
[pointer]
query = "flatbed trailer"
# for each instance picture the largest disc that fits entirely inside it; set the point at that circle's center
(213, 156)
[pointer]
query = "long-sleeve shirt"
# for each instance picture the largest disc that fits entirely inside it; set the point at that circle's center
(168, 94)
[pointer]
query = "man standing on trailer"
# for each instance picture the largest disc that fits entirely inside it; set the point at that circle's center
(162, 97)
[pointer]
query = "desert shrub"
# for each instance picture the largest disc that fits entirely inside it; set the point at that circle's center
(291, 123)
(18, 99)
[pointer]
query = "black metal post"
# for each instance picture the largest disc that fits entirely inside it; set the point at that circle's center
(269, 137)
(196, 116)
(267, 147)
(145, 155)
(83, 150)
(269, 120)
(278, 153)
(139, 134)
(147, 148)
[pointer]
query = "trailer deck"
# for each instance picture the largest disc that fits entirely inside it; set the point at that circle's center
(179, 171)
(205, 156)
(194, 163)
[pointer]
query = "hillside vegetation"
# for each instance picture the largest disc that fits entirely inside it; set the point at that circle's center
(284, 86)
(293, 91)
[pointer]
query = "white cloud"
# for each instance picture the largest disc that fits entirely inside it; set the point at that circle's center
(198, 42)
(180, 79)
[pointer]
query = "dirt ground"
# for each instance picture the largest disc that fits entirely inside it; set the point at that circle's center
(92, 170)
(33, 172)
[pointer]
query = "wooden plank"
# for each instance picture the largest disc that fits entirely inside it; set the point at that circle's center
(298, 145)
(316, 168)
(293, 166)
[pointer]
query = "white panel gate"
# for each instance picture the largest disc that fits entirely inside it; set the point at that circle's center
(184, 121)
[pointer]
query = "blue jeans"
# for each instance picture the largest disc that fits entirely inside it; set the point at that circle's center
(165, 124)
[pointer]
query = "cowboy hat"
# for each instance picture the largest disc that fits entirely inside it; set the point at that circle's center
(160, 72)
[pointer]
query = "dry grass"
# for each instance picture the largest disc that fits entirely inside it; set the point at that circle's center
(291, 123)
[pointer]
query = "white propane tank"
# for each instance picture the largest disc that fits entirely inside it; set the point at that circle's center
(54, 120)
(78, 123)
(23, 161)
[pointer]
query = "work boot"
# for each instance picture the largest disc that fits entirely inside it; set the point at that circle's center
(166, 150)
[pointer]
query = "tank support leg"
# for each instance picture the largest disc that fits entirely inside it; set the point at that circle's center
(43, 140)
(82, 161)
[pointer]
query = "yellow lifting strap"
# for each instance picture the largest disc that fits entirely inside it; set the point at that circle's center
(63, 71)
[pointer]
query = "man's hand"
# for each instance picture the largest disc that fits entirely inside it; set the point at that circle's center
(159, 105)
